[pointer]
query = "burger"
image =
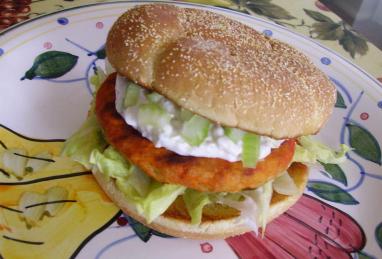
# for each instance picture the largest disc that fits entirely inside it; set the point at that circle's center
(203, 129)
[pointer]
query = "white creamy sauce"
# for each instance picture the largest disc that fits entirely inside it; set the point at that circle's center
(216, 145)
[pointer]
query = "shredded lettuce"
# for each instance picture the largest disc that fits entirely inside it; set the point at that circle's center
(247, 207)
(97, 79)
(130, 192)
(140, 181)
(110, 163)
(311, 151)
(150, 197)
(159, 198)
(285, 185)
(108, 67)
(262, 196)
(195, 202)
(82, 143)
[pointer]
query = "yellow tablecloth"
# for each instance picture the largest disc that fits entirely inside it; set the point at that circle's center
(308, 17)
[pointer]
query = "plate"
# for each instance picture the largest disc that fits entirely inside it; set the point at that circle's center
(339, 215)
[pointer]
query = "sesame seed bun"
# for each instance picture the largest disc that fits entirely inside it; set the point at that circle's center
(217, 221)
(221, 69)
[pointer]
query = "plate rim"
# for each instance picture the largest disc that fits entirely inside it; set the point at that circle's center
(252, 18)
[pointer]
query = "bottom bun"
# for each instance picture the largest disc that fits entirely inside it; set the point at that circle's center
(218, 221)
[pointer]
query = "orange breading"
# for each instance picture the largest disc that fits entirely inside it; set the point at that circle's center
(199, 173)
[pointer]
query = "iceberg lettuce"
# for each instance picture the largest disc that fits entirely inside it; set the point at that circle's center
(311, 151)
(195, 202)
(83, 142)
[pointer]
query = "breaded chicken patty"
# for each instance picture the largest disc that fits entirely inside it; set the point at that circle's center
(199, 173)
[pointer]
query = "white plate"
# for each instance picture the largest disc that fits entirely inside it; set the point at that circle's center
(53, 109)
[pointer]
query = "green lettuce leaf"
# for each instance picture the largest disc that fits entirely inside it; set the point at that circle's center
(284, 184)
(311, 151)
(130, 192)
(140, 181)
(159, 198)
(195, 202)
(97, 78)
(110, 163)
(150, 197)
(82, 143)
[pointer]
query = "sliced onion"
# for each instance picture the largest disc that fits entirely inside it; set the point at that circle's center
(247, 208)
(262, 196)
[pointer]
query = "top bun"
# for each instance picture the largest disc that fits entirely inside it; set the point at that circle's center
(221, 69)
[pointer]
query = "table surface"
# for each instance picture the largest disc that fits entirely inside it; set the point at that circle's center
(310, 17)
(365, 16)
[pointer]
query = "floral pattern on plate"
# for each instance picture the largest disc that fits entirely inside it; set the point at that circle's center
(46, 96)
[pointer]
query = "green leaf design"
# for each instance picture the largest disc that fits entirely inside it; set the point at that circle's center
(363, 255)
(266, 8)
(340, 103)
(317, 16)
(236, 10)
(159, 234)
(353, 43)
(51, 64)
(335, 172)
(327, 30)
(143, 232)
(364, 143)
(218, 3)
(101, 53)
(331, 192)
(378, 234)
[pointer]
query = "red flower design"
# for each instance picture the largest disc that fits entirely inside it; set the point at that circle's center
(206, 247)
(364, 116)
(48, 45)
(122, 221)
(321, 6)
(311, 228)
